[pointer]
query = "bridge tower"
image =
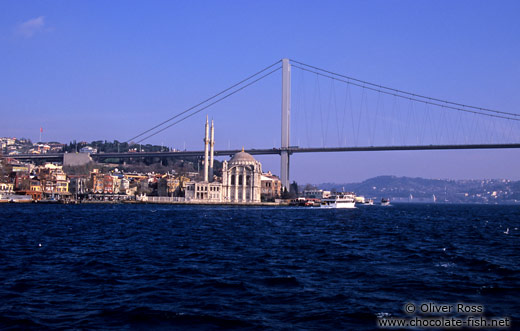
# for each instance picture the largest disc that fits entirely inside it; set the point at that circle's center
(286, 116)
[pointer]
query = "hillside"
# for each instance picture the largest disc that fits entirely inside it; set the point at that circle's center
(421, 189)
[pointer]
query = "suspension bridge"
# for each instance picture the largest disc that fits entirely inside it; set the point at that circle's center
(357, 116)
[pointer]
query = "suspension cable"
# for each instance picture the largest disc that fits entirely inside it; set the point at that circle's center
(211, 104)
(409, 98)
(404, 92)
(203, 102)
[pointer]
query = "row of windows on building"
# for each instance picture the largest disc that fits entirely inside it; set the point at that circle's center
(240, 180)
(204, 196)
(203, 188)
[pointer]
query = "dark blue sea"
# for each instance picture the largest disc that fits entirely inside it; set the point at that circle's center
(117, 267)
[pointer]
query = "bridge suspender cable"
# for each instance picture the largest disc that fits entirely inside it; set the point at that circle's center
(414, 98)
(206, 106)
(399, 91)
(334, 76)
(203, 102)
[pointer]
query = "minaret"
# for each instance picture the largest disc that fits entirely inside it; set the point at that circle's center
(211, 151)
(206, 141)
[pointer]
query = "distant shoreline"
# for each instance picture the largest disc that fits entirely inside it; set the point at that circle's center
(258, 204)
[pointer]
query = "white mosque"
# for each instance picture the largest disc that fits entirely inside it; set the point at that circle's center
(241, 177)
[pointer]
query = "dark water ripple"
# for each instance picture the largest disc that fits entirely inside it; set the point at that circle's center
(163, 267)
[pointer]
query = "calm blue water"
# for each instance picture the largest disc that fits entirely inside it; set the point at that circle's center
(163, 267)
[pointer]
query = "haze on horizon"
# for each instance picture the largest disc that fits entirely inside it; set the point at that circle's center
(89, 70)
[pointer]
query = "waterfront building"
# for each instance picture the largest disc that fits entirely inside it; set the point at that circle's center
(203, 192)
(35, 185)
(108, 184)
(124, 185)
(241, 178)
(19, 181)
(35, 188)
(78, 184)
(97, 179)
(116, 183)
(6, 187)
(171, 185)
(271, 187)
(53, 180)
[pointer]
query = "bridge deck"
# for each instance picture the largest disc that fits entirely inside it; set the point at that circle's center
(271, 151)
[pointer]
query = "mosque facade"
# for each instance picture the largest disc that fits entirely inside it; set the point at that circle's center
(241, 177)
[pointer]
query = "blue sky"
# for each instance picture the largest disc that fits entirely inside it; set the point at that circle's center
(89, 70)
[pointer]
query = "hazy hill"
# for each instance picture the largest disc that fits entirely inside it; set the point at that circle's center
(421, 189)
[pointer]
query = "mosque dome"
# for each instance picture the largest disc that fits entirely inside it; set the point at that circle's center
(242, 158)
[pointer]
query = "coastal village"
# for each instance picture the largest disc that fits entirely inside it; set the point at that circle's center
(26, 182)
(239, 181)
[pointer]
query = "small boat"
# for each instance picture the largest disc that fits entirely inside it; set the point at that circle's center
(385, 202)
(366, 202)
(341, 200)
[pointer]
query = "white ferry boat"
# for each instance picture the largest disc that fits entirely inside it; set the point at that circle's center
(341, 200)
